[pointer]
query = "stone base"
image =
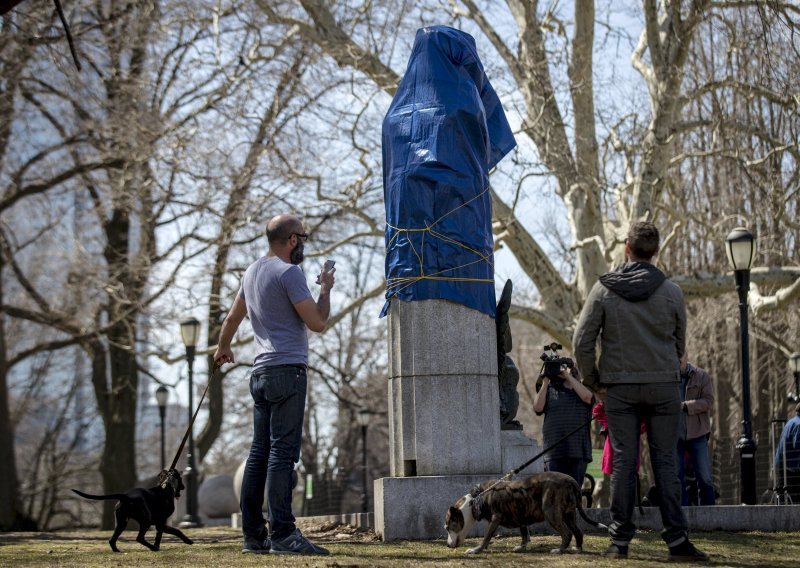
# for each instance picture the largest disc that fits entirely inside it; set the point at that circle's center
(427, 414)
(767, 518)
(516, 449)
(443, 393)
(413, 508)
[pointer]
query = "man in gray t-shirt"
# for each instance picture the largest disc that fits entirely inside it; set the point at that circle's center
(271, 288)
(275, 297)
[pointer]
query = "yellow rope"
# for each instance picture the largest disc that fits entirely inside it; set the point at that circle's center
(401, 283)
(403, 279)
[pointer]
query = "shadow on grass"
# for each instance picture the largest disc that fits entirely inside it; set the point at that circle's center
(98, 536)
(63, 536)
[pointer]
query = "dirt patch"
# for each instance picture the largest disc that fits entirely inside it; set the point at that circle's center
(333, 531)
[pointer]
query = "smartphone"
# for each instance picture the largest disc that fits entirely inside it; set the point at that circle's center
(327, 267)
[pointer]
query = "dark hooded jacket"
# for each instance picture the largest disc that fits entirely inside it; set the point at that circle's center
(640, 318)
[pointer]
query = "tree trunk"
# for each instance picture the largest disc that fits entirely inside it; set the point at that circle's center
(118, 464)
(9, 486)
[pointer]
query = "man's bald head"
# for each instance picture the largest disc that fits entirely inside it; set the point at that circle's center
(281, 228)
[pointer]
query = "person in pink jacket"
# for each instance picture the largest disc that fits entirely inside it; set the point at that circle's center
(599, 413)
(697, 396)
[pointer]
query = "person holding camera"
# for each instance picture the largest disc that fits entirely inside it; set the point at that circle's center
(566, 404)
(640, 318)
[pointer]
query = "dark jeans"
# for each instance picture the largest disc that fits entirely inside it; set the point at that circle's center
(575, 468)
(792, 484)
(279, 394)
(701, 464)
(659, 406)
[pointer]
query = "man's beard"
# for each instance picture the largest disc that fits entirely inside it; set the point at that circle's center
(296, 256)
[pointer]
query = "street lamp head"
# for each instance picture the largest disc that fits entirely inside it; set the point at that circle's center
(794, 362)
(741, 249)
(190, 332)
(362, 416)
(162, 395)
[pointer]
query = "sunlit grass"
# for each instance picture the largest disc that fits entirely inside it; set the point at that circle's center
(222, 547)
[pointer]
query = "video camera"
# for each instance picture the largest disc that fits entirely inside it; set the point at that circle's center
(551, 367)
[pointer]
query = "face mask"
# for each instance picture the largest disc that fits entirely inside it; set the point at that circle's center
(296, 256)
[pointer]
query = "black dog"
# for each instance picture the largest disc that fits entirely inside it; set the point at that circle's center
(147, 507)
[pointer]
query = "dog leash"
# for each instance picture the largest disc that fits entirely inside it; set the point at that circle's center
(516, 470)
(217, 365)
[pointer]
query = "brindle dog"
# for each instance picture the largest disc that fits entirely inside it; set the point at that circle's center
(147, 507)
(550, 496)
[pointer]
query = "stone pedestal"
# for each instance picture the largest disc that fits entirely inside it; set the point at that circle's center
(517, 448)
(444, 417)
(410, 508)
(414, 507)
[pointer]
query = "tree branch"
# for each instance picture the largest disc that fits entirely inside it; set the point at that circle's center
(330, 36)
(706, 284)
(561, 297)
(16, 194)
(780, 299)
(558, 330)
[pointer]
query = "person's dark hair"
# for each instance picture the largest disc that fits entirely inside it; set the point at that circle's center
(282, 231)
(643, 238)
(797, 409)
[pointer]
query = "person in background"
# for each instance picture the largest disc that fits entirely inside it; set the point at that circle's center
(790, 444)
(697, 398)
(607, 463)
(566, 404)
(599, 413)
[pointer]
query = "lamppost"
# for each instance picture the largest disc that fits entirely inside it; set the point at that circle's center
(741, 250)
(362, 417)
(162, 394)
(190, 332)
(794, 367)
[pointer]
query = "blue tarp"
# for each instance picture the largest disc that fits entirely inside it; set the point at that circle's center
(444, 131)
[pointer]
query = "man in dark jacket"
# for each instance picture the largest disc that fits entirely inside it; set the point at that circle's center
(697, 395)
(640, 318)
(789, 448)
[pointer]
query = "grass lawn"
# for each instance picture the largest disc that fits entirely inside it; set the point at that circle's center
(221, 546)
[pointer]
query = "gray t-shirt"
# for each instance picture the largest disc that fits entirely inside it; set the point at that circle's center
(270, 287)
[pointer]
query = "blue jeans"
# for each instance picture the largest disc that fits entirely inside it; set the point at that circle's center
(574, 467)
(659, 405)
(279, 394)
(701, 463)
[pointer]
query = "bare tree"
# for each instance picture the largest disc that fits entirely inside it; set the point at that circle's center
(702, 141)
(649, 160)
(190, 125)
(116, 136)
